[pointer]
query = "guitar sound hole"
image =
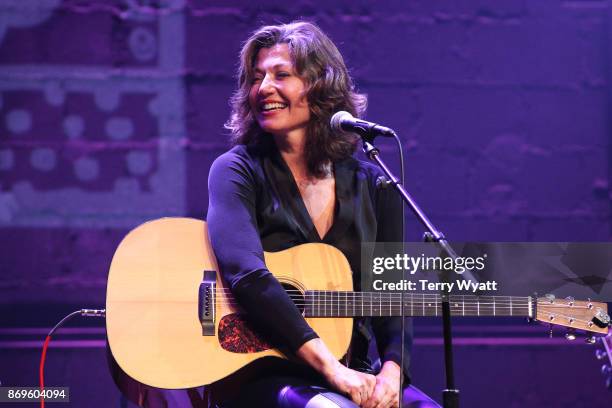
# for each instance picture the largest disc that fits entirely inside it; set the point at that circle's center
(295, 294)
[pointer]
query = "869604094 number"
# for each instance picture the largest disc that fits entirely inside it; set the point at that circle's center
(34, 394)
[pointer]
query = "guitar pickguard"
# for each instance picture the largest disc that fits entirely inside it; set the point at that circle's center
(236, 335)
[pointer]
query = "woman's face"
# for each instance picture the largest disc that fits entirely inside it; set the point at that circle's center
(277, 97)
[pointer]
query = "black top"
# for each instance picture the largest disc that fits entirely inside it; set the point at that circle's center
(255, 206)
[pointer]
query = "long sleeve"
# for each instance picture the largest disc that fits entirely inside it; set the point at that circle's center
(232, 224)
(387, 330)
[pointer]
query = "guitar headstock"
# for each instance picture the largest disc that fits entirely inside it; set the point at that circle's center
(574, 314)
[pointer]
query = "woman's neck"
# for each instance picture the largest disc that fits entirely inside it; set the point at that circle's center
(292, 149)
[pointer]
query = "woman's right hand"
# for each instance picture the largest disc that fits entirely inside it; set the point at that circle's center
(359, 386)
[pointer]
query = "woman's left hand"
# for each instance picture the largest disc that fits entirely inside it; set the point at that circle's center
(386, 391)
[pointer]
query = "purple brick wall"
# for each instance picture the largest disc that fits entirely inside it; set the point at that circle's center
(111, 113)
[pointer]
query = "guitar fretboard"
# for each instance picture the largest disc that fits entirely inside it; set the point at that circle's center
(320, 303)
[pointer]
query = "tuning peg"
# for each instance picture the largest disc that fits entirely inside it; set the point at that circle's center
(570, 335)
(550, 297)
(590, 340)
(601, 318)
(550, 331)
(600, 354)
(606, 369)
(570, 300)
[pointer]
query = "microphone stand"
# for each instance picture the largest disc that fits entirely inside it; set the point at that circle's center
(450, 395)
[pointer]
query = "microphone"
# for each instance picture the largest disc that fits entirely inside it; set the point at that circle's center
(344, 121)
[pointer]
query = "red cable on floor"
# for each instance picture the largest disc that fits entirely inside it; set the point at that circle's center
(41, 371)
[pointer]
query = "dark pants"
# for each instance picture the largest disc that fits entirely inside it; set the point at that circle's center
(296, 387)
(296, 392)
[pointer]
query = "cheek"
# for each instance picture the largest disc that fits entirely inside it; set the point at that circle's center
(253, 97)
(300, 97)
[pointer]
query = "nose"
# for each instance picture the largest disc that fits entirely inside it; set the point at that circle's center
(267, 85)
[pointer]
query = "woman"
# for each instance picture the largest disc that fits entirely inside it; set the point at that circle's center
(290, 180)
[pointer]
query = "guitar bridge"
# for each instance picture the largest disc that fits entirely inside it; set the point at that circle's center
(206, 303)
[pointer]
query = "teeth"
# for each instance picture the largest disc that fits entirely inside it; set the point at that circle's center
(274, 105)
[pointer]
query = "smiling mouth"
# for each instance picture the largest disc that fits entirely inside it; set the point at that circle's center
(272, 106)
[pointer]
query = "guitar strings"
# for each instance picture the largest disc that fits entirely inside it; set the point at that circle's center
(428, 312)
(343, 297)
(425, 305)
(340, 296)
(394, 309)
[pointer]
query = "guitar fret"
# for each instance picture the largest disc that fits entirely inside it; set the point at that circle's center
(324, 302)
(338, 300)
(321, 303)
(412, 304)
(423, 296)
(346, 313)
(322, 297)
(361, 305)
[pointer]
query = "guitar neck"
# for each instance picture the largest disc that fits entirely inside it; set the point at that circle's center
(321, 303)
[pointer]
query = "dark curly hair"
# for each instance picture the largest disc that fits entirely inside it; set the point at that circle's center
(329, 89)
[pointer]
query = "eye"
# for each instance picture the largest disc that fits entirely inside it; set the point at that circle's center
(256, 79)
(283, 74)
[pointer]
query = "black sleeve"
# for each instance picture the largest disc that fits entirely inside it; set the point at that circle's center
(232, 225)
(389, 214)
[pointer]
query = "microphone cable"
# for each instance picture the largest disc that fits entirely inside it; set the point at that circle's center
(403, 328)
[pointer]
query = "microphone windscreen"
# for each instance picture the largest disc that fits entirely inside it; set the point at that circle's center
(337, 118)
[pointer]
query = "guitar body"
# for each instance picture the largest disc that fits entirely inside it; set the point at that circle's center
(152, 303)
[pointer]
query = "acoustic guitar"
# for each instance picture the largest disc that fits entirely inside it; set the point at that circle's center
(172, 322)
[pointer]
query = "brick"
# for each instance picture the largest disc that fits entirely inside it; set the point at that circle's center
(551, 51)
(69, 264)
(97, 38)
(510, 179)
(466, 228)
(208, 108)
(571, 228)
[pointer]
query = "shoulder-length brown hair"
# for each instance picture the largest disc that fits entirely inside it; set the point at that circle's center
(329, 89)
